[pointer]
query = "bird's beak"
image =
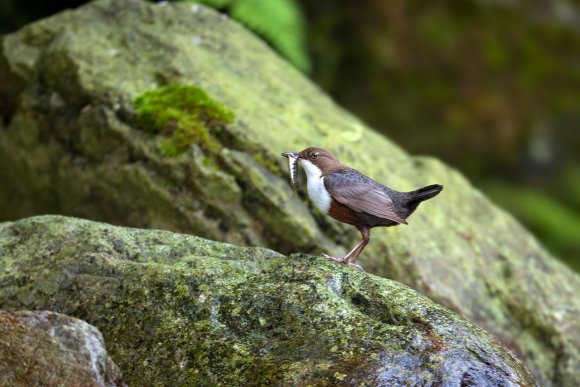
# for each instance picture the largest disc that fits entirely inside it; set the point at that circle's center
(291, 155)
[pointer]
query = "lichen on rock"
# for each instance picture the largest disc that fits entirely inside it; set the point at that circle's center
(180, 310)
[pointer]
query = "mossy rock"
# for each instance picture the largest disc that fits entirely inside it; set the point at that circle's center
(69, 145)
(185, 114)
(180, 310)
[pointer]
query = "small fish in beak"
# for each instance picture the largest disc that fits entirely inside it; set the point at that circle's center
(292, 161)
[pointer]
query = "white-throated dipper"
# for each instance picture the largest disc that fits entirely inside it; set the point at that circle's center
(351, 197)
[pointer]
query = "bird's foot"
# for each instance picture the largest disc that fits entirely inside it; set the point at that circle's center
(343, 261)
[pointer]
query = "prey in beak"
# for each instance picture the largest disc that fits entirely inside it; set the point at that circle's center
(293, 158)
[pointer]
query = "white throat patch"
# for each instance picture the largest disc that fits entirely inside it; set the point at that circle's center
(315, 185)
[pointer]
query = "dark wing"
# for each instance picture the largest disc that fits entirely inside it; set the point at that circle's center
(361, 194)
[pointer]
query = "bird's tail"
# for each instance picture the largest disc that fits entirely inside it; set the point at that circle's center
(420, 195)
(425, 193)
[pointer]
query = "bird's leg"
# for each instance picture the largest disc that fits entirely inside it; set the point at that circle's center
(352, 256)
(366, 234)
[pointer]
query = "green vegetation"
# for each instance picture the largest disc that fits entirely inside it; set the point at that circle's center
(183, 114)
(280, 22)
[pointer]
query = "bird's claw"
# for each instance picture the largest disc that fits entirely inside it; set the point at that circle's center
(343, 261)
(329, 257)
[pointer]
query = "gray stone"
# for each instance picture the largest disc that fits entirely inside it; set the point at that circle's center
(43, 348)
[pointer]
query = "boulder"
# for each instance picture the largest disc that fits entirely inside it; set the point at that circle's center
(176, 310)
(43, 348)
(89, 128)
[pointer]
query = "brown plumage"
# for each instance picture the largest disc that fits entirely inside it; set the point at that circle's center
(350, 197)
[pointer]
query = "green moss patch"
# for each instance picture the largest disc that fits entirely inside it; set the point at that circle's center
(183, 115)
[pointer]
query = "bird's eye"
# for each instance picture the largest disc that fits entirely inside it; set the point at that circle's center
(314, 155)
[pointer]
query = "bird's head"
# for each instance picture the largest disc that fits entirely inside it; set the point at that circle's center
(317, 162)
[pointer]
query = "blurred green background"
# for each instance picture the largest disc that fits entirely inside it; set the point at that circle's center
(491, 86)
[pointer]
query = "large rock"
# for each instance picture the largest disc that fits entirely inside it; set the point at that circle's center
(50, 349)
(180, 310)
(68, 145)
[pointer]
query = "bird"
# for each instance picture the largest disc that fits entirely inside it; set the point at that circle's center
(351, 197)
